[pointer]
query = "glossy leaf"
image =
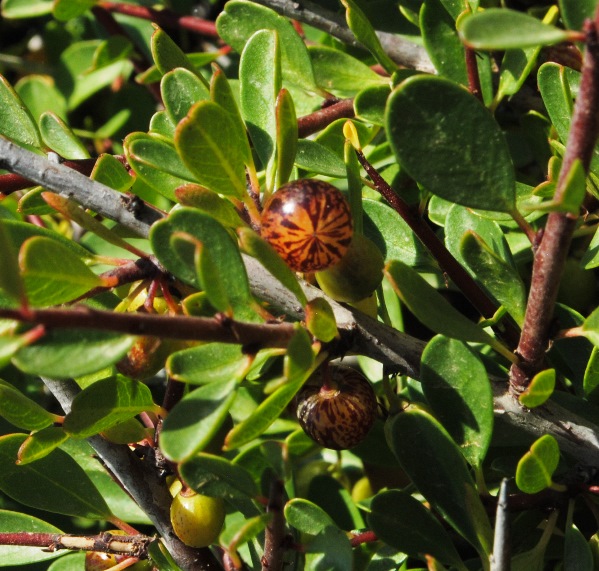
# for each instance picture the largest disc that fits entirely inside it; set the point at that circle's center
(430, 307)
(339, 72)
(501, 29)
(68, 353)
(590, 327)
(207, 141)
(40, 94)
(404, 523)
(216, 476)
(110, 171)
(260, 83)
(41, 443)
(539, 390)
(8, 347)
(55, 483)
(242, 531)
(240, 20)
(316, 158)
(429, 456)
(286, 137)
(106, 403)
(496, 276)
(14, 555)
(16, 123)
(210, 202)
(181, 89)
(537, 466)
(306, 516)
(574, 12)
(299, 365)
(362, 28)
(222, 248)
(450, 144)
(577, 553)
(557, 97)
(115, 48)
(21, 411)
(591, 375)
(370, 104)
(210, 279)
(456, 386)
(26, 8)
(169, 56)
(11, 281)
(195, 419)
(260, 249)
(320, 320)
(53, 274)
(157, 163)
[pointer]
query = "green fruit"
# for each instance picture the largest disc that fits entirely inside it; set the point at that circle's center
(337, 407)
(197, 519)
(362, 490)
(358, 273)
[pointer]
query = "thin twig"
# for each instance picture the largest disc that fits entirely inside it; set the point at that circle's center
(501, 557)
(274, 550)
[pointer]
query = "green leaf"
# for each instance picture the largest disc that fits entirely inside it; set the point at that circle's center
(362, 28)
(157, 163)
(456, 386)
(40, 444)
(450, 143)
(115, 48)
(539, 390)
(306, 516)
(437, 468)
(210, 279)
(339, 72)
(64, 10)
(216, 476)
(169, 56)
(430, 307)
(320, 320)
(110, 171)
(14, 555)
(9, 346)
(370, 103)
(55, 483)
(590, 327)
(11, 281)
(316, 158)
(39, 93)
(26, 8)
(536, 467)
(209, 202)
(195, 419)
(496, 276)
(207, 141)
(260, 249)
(16, 122)
(241, 20)
(577, 552)
(180, 89)
(223, 250)
(404, 523)
(502, 29)
(70, 562)
(591, 375)
(574, 12)
(286, 137)
(242, 531)
(442, 42)
(260, 83)
(21, 411)
(53, 274)
(62, 354)
(107, 403)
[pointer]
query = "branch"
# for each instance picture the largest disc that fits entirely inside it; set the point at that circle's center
(551, 255)
(142, 483)
(274, 550)
(401, 51)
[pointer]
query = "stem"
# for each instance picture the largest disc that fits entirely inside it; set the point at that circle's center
(501, 557)
(314, 122)
(550, 257)
(473, 76)
(447, 262)
(274, 550)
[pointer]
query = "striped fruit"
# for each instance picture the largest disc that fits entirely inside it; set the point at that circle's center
(340, 412)
(308, 222)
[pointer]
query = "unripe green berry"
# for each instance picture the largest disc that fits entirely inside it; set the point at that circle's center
(197, 519)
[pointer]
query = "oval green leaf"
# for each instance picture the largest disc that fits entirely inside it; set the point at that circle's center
(539, 390)
(450, 143)
(180, 89)
(58, 136)
(537, 466)
(41, 443)
(21, 411)
(16, 122)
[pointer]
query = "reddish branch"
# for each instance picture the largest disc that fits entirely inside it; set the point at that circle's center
(551, 255)
(447, 262)
(220, 329)
(310, 124)
(164, 18)
(473, 76)
(274, 548)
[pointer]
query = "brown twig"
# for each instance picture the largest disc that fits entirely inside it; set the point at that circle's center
(165, 18)
(551, 255)
(223, 330)
(131, 545)
(473, 76)
(274, 550)
(314, 122)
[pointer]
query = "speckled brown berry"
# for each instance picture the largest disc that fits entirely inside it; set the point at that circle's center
(340, 412)
(308, 222)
